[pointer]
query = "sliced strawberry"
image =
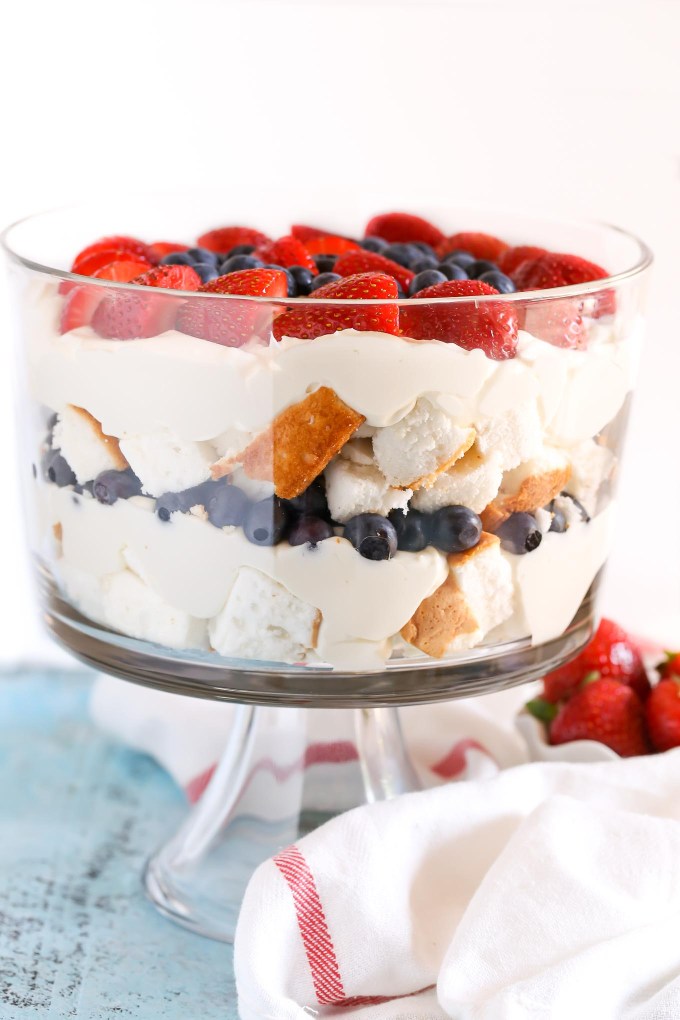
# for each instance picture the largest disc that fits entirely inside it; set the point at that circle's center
(399, 227)
(482, 246)
(87, 265)
(511, 258)
(131, 315)
(489, 326)
(305, 233)
(330, 244)
(309, 321)
(370, 262)
(554, 270)
(286, 251)
(230, 322)
(82, 301)
(117, 242)
(159, 249)
(557, 321)
(224, 239)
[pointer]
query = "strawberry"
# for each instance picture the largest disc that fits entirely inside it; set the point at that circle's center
(286, 251)
(611, 653)
(118, 242)
(558, 322)
(553, 270)
(130, 315)
(233, 323)
(159, 249)
(511, 258)
(671, 666)
(662, 711)
(330, 244)
(305, 233)
(400, 227)
(309, 321)
(354, 262)
(482, 246)
(80, 305)
(487, 326)
(606, 711)
(88, 265)
(224, 239)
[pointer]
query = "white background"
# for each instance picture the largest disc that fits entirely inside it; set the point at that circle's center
(568, 108)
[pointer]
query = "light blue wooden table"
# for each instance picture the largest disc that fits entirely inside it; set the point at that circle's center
(78, 815)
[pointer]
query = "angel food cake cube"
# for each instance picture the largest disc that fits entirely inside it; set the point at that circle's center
(165, 463)
(425, 442)
(473, 481)
(88, 450)
(353, 489)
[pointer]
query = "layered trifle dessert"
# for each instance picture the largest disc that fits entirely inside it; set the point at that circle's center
(327, 449)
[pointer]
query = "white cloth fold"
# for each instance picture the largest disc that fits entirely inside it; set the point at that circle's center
(547, 892)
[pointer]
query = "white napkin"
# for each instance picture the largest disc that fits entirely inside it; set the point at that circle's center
(547, 892)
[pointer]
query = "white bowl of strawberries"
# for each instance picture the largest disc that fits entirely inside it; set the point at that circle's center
(605, 704)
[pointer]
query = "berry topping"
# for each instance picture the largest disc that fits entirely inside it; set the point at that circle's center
(671, 665)
(98, 260)
(224, 239)
(371, 262)
(606, 711)
(455, 528)
(488, 326)
(129, 315)
(378, 244)
(481, 246)
(110, 486)
(322, 279)
(309, 530)
(232, 323)
(411, 528)
(399, 226)
(236, 263)
(452, 271)
(157, 251)
(476, 268)
(309, 321)
(499, 281)
(305, 233)
(227, 506)
(373, 536)
(426, 278)
(551, 270)
(117, 243)
(82, 302)
(330, 244)
(513, 257)
(662, 712)
(403, 254)
(460, 258)
(611, 653)
(286, 251)
(310, 502)
(266, 521)
(519, 534)
(303, 281)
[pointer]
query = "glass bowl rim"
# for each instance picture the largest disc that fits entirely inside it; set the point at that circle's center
(643, 262)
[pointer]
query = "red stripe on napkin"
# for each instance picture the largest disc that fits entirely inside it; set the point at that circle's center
(455, 762)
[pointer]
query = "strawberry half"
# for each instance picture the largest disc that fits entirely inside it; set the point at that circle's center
(612, 653)
(286, 251)
(309, 321)
(223, 239)
(330, 244)
(117, 242)
(305, 233)
(81, 303)
(159, 249)
(606, 711)
(553, 270)
(511, 258)
(132, 315)
(487, 326)
(233, 323)
(482, 246)
(662, 711)
(399, 227)
(89, 264)
(370, 262)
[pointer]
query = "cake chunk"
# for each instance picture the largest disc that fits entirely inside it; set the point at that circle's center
(529, 486)
(592, 464)
(262, 620)
(353, 489)
(514, 436)
(298, 444)
(164, 463)
(473, 481)
(85, 446)
(414, 451)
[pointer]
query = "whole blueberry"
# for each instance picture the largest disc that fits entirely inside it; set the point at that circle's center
(585, 516)
(411, 529)
(377, 244)
(266, 521)
(479, 266)
(498, 280)
(236, 263)
(428, 278)
(206, 270)
(425, 248)
(310, 502)
(452, 271)
(460, 257)
(559, 520)
(520, 534)
(177, 258)
(57, 470)
(309, 530)
(240, 249)
(227, 506)
(322, 279)
(373, 536)
(204, 255)
(168, 504)
(425, 262)
(455, 528)
(303, 280)
(403, 254)
(110, 486)
(198, 495)
(325, 263)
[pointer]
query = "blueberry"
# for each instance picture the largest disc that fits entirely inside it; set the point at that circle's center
(411, 529)
(455, 528)
(228, 505)
(85, 487)
(403, 254)
(559, 521)
(177, 258)
(479, 266)
(57, 469)
(373, 536)
(520, 534)
(110, 486)
(206, 270)
(322, 279)
(325, 263)
(204, 255)
(425, 248)
(585, 516)
(236, 263)
(241, 249)
(303, 280)
(428, 278)
(266, 522)
(498, 280)
(377, 244)
(425, 262)
(311, 502)
(460, 257)
(168, 504)
(452, 271)
(310, 530)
